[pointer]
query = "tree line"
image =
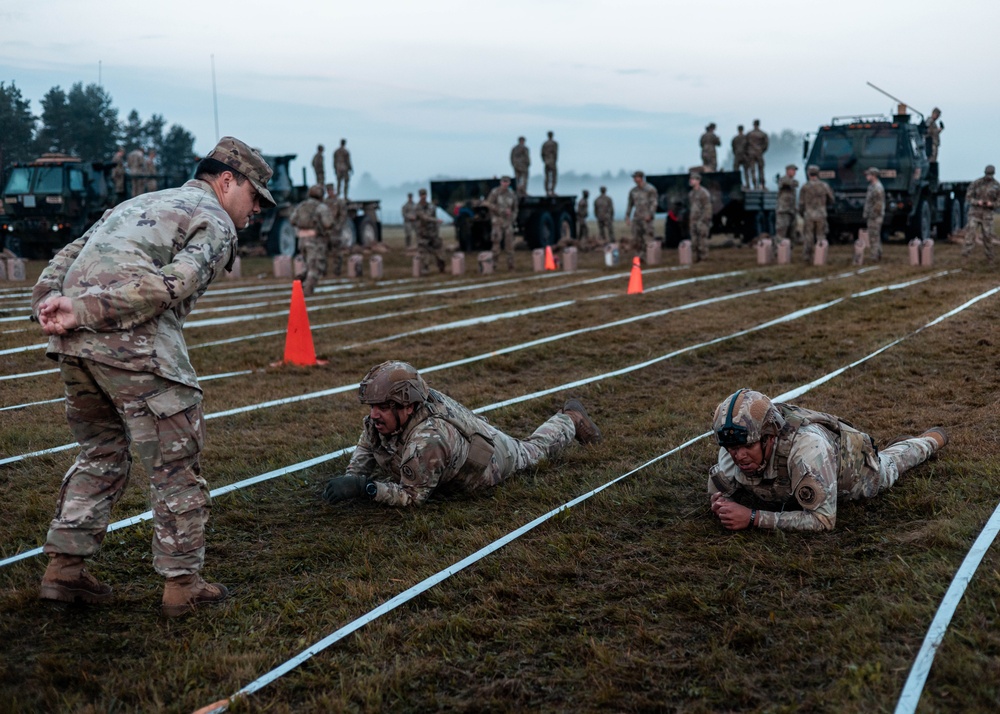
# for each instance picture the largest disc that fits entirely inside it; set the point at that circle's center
(84, 122)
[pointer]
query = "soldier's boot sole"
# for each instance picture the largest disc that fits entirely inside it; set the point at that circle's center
(68, 593)
(586, 430)
(938, 435)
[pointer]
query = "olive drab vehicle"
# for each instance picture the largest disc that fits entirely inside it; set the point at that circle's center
(917, 203)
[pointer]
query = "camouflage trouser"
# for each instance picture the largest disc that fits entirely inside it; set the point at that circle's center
(108, 409)
(813, 231)
(583, 233)
(755, 165)
(321, 177)
(894, 461)
(521, 181)
(699, 240)
(642, 231)
(606, 229)
(550, 178)
(512, 455)
(709, 162)
(741, 163)
(343, 177)
(502, 234)
(409, 231)
(314, 252)
(784, 225)
(875, 237)
(981, 225)
(430, 246)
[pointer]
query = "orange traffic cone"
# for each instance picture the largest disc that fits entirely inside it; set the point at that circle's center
(550, 263)
(635, 280)
(298, 341)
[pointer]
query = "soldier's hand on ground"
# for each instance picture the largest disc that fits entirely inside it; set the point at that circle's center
(733, 516)
(344, 488)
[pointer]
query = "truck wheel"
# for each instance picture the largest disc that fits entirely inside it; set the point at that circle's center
(286, 236)
(955, 222)
(567, 230)
(367, 231)
(546, 230)
(348, 234)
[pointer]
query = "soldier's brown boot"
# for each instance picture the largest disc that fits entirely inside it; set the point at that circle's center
(185, 592)
(66, 580)
(586, 430)
(938, 435)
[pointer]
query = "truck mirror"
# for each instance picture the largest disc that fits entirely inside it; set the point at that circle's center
(805, 149)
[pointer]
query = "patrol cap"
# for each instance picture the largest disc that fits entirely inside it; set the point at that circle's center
(505, 178)
(640, 174)
(813, 170)
(792, 166)
(695, 175)
(990, 170)
(873, 171)
(422, 192)
(241, 158)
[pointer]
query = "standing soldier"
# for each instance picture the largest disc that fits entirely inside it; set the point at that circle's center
(604, 212)
(582, 232)
(151, 170)
(409, 219)
(319, 165)
(709, 141)
(338, 210)
(982, 198)
(814, 197)
(503, 208)
(874, 212)
(313, 223)
(785, 208)
(520, 159)
(643, 199)
(428, 233)
(342, 166)
(700, 215)
(550, 153)
(118, 174)
(740, 155)
(136, 161)
(934, 130)
(756, 146)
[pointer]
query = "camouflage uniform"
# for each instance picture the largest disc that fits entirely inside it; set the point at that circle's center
(313, 222)
(814, 197)
(502, 204)
(136, 161)
(757, 143)
(319, 167)
(429, 235)
(338, 210)
(784, 223)
(874, 214)
(133, 278)
(582, 231)
(604, 212)
(520, 160)
(934, 130)
(708, 143)
(150, 168)
(342, 167)
(816, 459)
(700, 216)
(550, 153)
(644, 199)
(409, 220)
(982, 198)
(740, 155)
(433, 451)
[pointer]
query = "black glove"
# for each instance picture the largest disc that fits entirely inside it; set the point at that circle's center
(343, 488)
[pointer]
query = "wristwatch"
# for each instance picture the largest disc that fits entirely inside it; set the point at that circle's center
(371, 489)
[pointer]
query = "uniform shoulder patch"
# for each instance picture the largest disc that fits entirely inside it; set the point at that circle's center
(809, 492)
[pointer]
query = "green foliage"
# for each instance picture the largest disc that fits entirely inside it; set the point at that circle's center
(82, 123)
(177, 155)
(17, 125)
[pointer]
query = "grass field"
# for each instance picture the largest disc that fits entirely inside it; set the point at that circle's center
(634, 600)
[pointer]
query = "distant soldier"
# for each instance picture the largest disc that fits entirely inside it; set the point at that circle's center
(814, 197)
(708, 143)
(136, 161)
(409, 219)
(982, 198)
(550, 153)
(740, 155)
(700, 216)
(520, 159)
(429, 234)
(604, 212)
(874, 212)
(640, 212)
(757, 143)
(118, 174)
(503, 209)
(342, 167)
(313, 223)
(319, 165)
(151, 170)
(784, 218)
(934, 129)
(339, 249)
(582, 212)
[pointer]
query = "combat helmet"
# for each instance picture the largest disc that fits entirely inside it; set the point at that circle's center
(393, 381)
(745, 418)
(316, 191)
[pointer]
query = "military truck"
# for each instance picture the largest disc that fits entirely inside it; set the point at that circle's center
(918, 203)
(540, 221)
(52, 201)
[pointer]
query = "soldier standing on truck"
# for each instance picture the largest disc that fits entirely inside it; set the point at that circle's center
(342, 166)
(520, 159)
(136, 161)
(814, 197)
(700, 215)
(740, 155)
(428, 231)
(874, 214)
(582, 211)
(982, 198)
(934, 130)
(313, 222)
(550, 153)
(604, 212)
(151, 170)
(118, 175)
(338, 209)
(319, 165)
(708, 142)
(409, 219)
(503, 209)
(785, 208)
(757, 143)
(643, 199)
